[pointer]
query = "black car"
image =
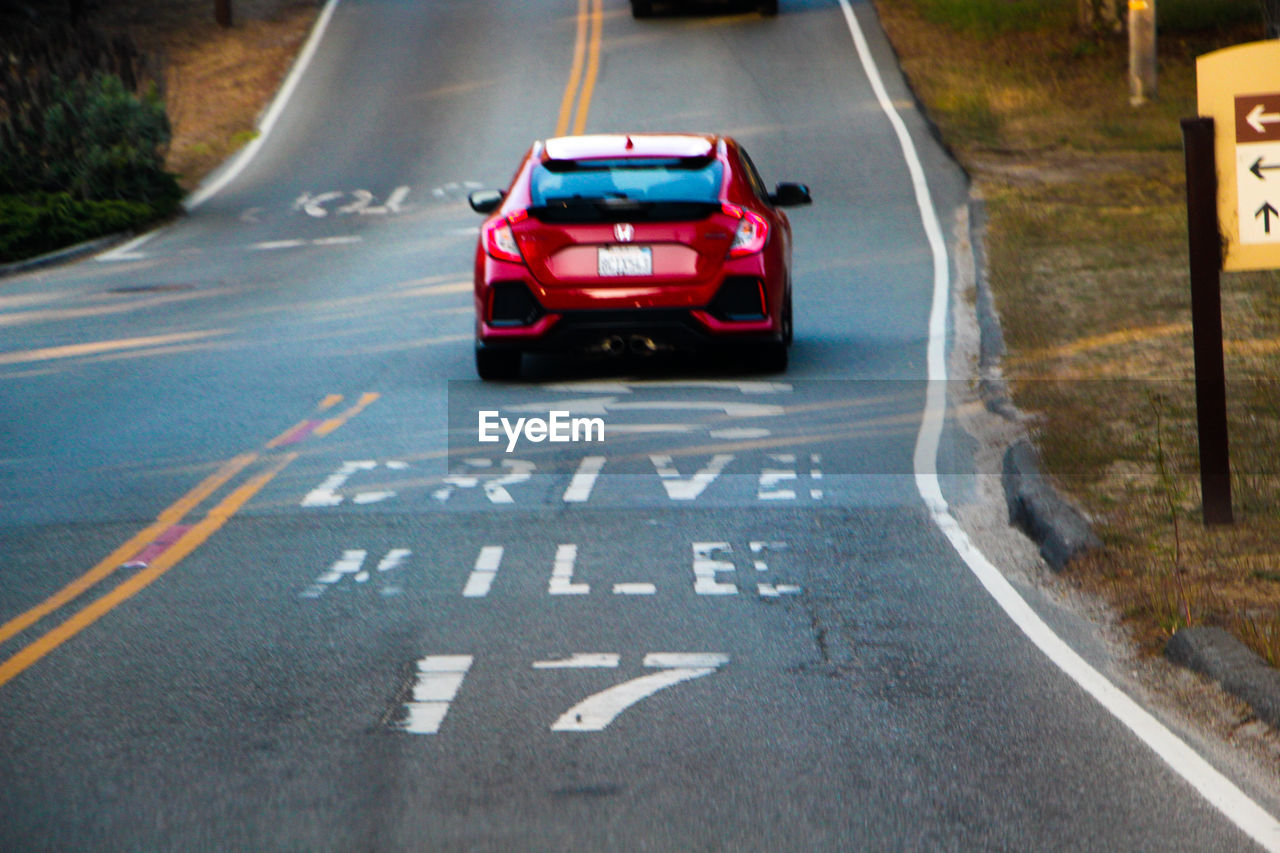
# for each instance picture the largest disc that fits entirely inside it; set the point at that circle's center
(644, 8)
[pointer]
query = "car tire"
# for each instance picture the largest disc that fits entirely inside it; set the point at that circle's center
(642, 8)
(498, 363)
(768, 7)
(788, 324)
(772, 357)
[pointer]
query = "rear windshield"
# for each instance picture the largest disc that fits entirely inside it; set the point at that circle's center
(636, 179)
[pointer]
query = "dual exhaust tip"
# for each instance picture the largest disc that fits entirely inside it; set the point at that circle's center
(638, 344)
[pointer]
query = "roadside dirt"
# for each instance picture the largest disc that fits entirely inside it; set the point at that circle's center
(217, 81)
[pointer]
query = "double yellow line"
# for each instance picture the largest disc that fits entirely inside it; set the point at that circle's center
(190, 539)
(586, 50)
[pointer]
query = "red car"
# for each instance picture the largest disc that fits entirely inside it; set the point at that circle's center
(638, 243)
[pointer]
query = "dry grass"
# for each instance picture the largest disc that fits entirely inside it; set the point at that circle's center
(217, 80)
(1087, 260)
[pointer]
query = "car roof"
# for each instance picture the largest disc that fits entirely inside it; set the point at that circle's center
(616, 145)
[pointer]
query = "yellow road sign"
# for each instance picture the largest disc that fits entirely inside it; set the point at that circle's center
(1239, 88)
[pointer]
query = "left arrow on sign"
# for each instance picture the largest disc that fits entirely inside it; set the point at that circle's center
(1259, 167)
(1259, 118)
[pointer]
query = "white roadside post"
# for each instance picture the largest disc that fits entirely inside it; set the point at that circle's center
(1142, 51)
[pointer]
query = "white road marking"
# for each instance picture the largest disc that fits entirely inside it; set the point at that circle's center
(597, 711)
(634, 589)
(313, 205)
(593, 387)
(495, 489)
(561, 582)
(439, 679)
(326, 494)
(272, 245)
(706, 567)
(649, 429)
(348, 564)
(581, 660)
(395, 202)
(739, 433)
(352, 564)
(1216, 788)
(362, 204)
(371, 497)
(584, 479)
(394, 559)
(657, 660)
(733, 410)
(275, 245)
(486, 569)
(127, 252)
(679, 489)
(768, 590)
(600, 406)
(771, 479)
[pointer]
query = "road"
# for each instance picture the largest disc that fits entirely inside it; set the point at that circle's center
(263, 589)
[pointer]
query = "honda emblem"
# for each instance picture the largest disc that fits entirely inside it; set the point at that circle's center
(624, 231)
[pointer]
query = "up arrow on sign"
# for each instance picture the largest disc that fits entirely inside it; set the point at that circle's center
(1266, 212)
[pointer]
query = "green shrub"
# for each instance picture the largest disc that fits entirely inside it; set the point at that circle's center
(95, 140)
(1190, 16)
(36, 223)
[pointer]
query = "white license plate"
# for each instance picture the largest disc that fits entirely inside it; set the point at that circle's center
(625, 260)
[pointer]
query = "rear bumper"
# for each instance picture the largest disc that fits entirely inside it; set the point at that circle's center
(594, 331)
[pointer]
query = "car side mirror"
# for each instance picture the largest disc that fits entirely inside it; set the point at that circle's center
(485, 201)
(790, 195)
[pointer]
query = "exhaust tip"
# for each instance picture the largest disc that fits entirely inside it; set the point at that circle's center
(643, 345)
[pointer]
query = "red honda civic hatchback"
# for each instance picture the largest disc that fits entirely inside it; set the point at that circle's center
(640, 243)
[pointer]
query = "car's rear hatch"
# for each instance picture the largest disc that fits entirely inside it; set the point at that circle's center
(625, 222)
(619, 242)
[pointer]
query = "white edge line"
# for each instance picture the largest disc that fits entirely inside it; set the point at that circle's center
(1220, 791)
(126, 251)
(269, 119)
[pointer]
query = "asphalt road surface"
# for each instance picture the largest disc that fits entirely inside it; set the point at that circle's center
(262, 588)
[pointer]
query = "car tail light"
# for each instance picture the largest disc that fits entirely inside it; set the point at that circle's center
(752, 233)
(499, 242)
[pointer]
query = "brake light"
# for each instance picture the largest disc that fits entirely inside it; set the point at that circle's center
(752, 233)
(499, 242)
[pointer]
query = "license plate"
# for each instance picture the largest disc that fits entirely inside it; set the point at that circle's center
(625, 260)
